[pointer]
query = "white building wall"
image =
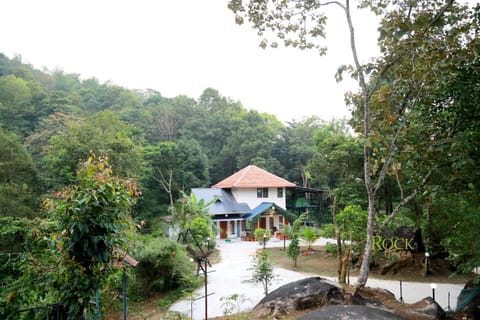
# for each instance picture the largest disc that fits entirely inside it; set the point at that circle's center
(249, 196)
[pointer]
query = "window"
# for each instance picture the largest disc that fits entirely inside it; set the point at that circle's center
(262, 192)
(279, 192)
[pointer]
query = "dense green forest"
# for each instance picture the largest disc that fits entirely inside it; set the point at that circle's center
(53, 123)
(61, 135)
(54, 119)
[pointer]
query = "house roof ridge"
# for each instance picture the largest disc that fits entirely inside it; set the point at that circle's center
(253, 177)
(244, 172)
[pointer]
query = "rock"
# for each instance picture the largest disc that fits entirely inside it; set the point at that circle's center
(426, 308)
(372, 297)
(312, 292)
(385, 300)
(376, 298)
(350, 312)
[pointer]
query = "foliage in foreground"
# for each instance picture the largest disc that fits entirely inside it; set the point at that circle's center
(94, 223)
(262, 270)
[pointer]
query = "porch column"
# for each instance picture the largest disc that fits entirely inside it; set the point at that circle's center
(217, 223)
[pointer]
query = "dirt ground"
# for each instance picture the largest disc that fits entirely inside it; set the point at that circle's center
(319, 261)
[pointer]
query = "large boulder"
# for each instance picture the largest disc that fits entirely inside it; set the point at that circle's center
(311, 292)
(385, 300)
(426, 308)
(350, 312)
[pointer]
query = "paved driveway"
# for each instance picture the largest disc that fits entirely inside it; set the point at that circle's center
(231, 276)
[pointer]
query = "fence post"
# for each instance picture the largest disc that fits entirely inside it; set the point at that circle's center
(97, 304)
(124, 293)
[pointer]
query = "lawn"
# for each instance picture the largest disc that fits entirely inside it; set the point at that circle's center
(321, 261)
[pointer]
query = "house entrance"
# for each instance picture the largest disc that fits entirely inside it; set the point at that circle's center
(223, 229)
(263, 222)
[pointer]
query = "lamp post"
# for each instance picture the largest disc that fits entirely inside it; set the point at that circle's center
(433, 286)
(427, 256)
(401, 292)
(206, 290)
(127, 260)
(448, 306)
(264, 240)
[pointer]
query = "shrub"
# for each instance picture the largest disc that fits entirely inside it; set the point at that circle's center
(260, 233)
(293, 250)
(163, 266)
(331, 248)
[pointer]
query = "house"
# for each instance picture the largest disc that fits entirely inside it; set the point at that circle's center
(249, 199)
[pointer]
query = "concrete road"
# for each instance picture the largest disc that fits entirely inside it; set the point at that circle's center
(231, 276)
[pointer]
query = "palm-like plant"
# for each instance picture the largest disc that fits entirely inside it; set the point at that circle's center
(309, 235)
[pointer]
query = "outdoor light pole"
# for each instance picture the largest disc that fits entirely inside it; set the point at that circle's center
(427, 255)
(433, 286)
(206, 290)
(124, 293)
(264, 240)
(401, 292)
(448, 306)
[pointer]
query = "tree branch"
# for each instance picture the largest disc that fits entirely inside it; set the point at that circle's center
(405, 200)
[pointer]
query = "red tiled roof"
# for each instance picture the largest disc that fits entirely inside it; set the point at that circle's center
(253, 177)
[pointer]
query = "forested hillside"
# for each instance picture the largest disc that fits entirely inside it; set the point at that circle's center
(61, 135)
(57, 130)
(55, 119)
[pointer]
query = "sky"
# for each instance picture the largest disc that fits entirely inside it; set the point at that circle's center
(182, 47)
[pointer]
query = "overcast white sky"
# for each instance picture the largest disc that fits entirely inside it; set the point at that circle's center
(182, 47)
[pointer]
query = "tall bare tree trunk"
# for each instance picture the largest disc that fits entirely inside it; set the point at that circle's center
(367, 255)
(339, 241)
(345, 266)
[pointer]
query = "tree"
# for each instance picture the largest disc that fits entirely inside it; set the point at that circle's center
(293, 250)
(262, 270)
(420, 42)
(309, 235)
(27, 266)
(15, 105)
(336, 163)
(45, 130)
(94, 219)
(294, 148)
(104, 134)
(19, 181)
(192, 213)
(172, 168)
(454, 198)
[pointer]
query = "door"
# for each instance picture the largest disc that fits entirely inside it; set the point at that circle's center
(263, 222)
(223, 229)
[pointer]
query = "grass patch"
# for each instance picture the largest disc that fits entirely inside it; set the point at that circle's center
(322, 261)
(318, 261)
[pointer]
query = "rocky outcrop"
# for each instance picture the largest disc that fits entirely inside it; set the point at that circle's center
(426, 308)
(331, 301)
(350, 312)
(312, 292)
(382, 299)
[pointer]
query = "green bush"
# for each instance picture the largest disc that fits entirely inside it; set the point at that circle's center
(163, 266)
(328, 231)
(201, 228)
(331, 248)
(260, 233)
